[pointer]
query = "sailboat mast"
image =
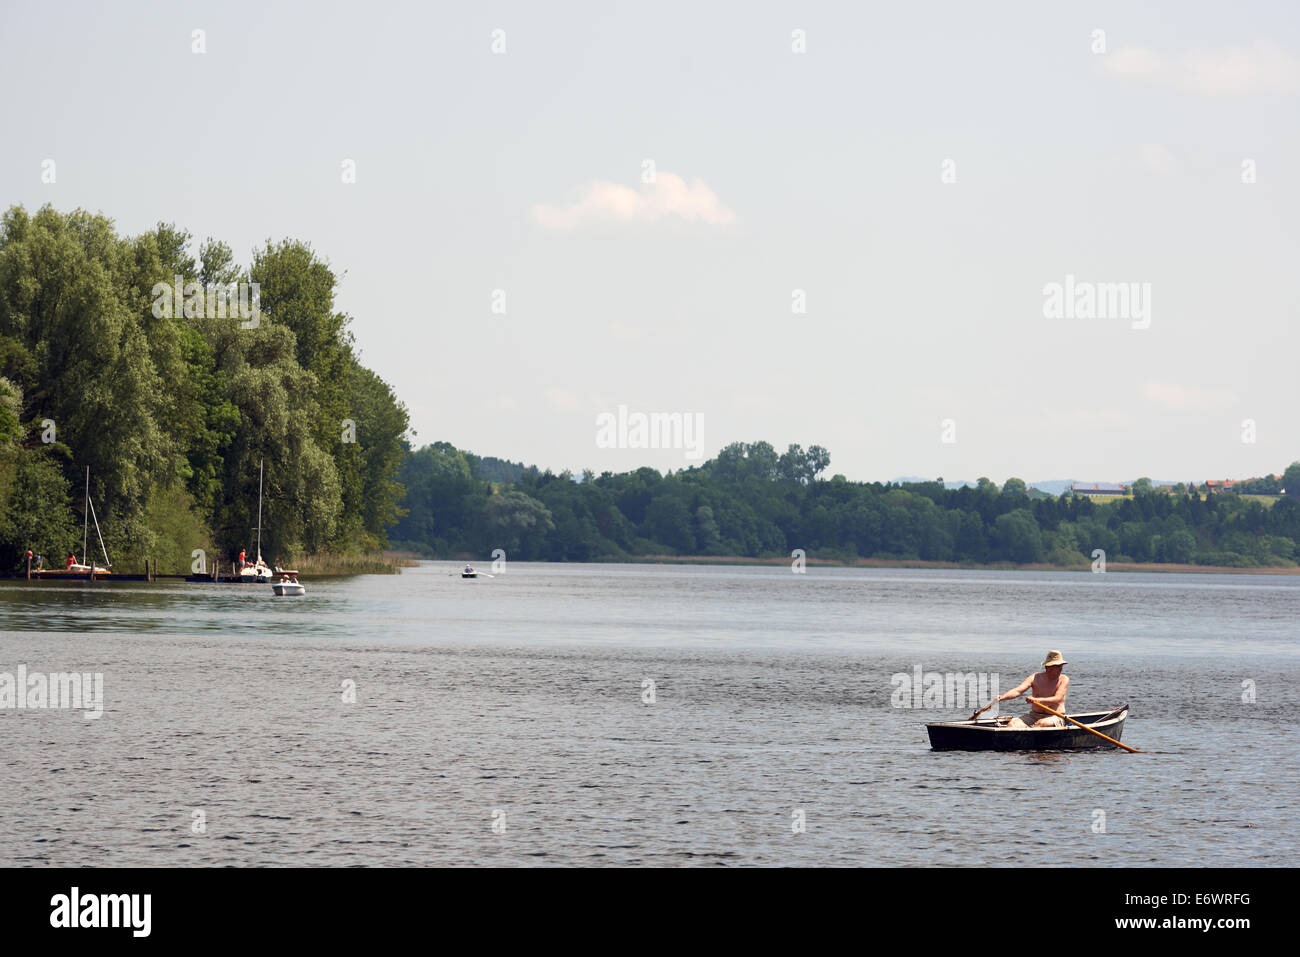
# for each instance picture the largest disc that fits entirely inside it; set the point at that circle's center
(99, 533)
(259, 509)
(85, 520)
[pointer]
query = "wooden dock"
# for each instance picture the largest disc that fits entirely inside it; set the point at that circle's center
(150, 574)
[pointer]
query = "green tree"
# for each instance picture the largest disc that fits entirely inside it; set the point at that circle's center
(1018, 536)
(668, 520)
(972, 541)
(707, 534)
(1291, 480)
(517, 522)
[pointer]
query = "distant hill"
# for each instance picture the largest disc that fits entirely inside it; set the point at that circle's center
(1057, 486)
(913, 480)
(1053, 487)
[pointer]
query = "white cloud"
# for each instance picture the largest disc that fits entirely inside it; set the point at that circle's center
(1157, 159)
(1263, 67)
(668, 196)
(562, 400)
(1173, 396)
(624, 332)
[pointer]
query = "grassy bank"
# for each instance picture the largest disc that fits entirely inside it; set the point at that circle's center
(371, 563)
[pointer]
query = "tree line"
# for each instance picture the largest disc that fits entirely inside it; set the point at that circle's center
(173, 403)
(752, 501)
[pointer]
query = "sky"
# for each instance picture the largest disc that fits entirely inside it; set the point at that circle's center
(845, 224)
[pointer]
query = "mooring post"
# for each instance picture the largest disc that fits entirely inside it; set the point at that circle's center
(29, 566)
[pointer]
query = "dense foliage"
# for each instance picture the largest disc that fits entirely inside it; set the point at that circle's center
(752, 501)
(173, 413)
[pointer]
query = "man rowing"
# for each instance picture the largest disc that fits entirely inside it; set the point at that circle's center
(1049, 687)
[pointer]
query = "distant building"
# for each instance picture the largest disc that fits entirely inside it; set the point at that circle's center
(1097, 488)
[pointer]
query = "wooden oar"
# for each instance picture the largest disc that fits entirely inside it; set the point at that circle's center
(1118, 744)
(982, 710)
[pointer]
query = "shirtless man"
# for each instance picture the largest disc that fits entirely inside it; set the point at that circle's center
(1049, 687)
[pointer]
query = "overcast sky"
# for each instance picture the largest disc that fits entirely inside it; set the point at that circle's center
(922, 172)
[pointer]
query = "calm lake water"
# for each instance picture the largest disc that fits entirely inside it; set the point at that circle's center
(520, 701)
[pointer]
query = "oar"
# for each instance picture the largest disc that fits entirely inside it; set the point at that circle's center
(982, 710)
(1085, 727)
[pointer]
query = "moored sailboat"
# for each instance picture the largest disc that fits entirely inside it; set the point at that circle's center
(257, 571)
(75, 567)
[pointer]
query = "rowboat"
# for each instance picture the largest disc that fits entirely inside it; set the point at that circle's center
(984, 734)
(468, 572)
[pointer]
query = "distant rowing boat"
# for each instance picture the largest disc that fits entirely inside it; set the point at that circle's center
(984, 734)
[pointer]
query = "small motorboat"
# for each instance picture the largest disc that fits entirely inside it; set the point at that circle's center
(987, 734)
(288, 587)
(468, 572)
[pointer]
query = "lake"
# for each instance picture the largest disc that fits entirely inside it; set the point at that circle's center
(646, 714)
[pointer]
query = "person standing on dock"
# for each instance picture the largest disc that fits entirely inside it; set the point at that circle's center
(1049, 687)
(40, 562)
(242, 560)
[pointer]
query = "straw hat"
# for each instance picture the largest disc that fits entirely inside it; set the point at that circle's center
(1054, 658)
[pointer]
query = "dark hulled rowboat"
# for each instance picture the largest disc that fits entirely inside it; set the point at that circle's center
(983, 735)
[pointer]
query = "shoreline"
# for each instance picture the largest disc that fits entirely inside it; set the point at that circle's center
(1155, 567)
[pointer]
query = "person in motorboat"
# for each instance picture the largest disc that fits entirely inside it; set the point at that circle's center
(1049, 687)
